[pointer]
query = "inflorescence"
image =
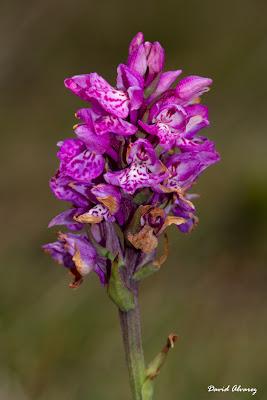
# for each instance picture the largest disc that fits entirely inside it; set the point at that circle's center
(128, 170)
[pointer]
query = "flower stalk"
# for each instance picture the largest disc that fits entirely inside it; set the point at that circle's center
(132, 340)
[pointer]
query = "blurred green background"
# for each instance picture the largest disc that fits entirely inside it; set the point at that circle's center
(60, 344)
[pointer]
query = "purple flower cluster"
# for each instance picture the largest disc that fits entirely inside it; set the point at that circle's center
(135, 155)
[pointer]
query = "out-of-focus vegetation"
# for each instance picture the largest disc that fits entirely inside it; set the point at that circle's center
(60, 344)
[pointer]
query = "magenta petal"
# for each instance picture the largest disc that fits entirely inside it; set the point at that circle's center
(137, 60)
(197, 144)
(186, 210)
(197, 118)
(66, 218)
(69, 148)
(151, 129)
(125, 210)
(99, 144)
(110, 124)
(94, 87)
(141, 151)
(87, 115)
(59, 254)
(165, 81)
(191, 87)
(137, 40)
(155, 60)
(84, 255)
(136, 96)
(186, 167)
(60, 186)
(78, 85)
(127, 78)
(86, 166)
(113, 101)
(133, 82)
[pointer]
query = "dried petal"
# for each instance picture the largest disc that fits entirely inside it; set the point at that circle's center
(144, 240)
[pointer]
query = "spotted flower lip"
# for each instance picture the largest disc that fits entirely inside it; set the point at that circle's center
(92, 87)
(85, 166)
(168, 124)
(171, 122)
(145, 169)
(68, 149)
(78, 162)
(126, 172)
(95, 215)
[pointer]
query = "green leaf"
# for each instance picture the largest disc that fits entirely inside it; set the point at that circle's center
(117, 290)
(154, 368)
(145, 271)
(147, 390)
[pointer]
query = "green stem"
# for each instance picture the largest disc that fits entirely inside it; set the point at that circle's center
(132, 339)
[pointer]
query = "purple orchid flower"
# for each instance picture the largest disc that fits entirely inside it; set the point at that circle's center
(186, 167)
(102, 124)
(108, 199)
(172, 117)
(93, 88)
(63, 189)
(76, 253)
(78, 162)
(184, 208)
(144, 170)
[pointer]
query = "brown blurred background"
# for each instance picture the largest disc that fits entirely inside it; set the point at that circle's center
(58, 344)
